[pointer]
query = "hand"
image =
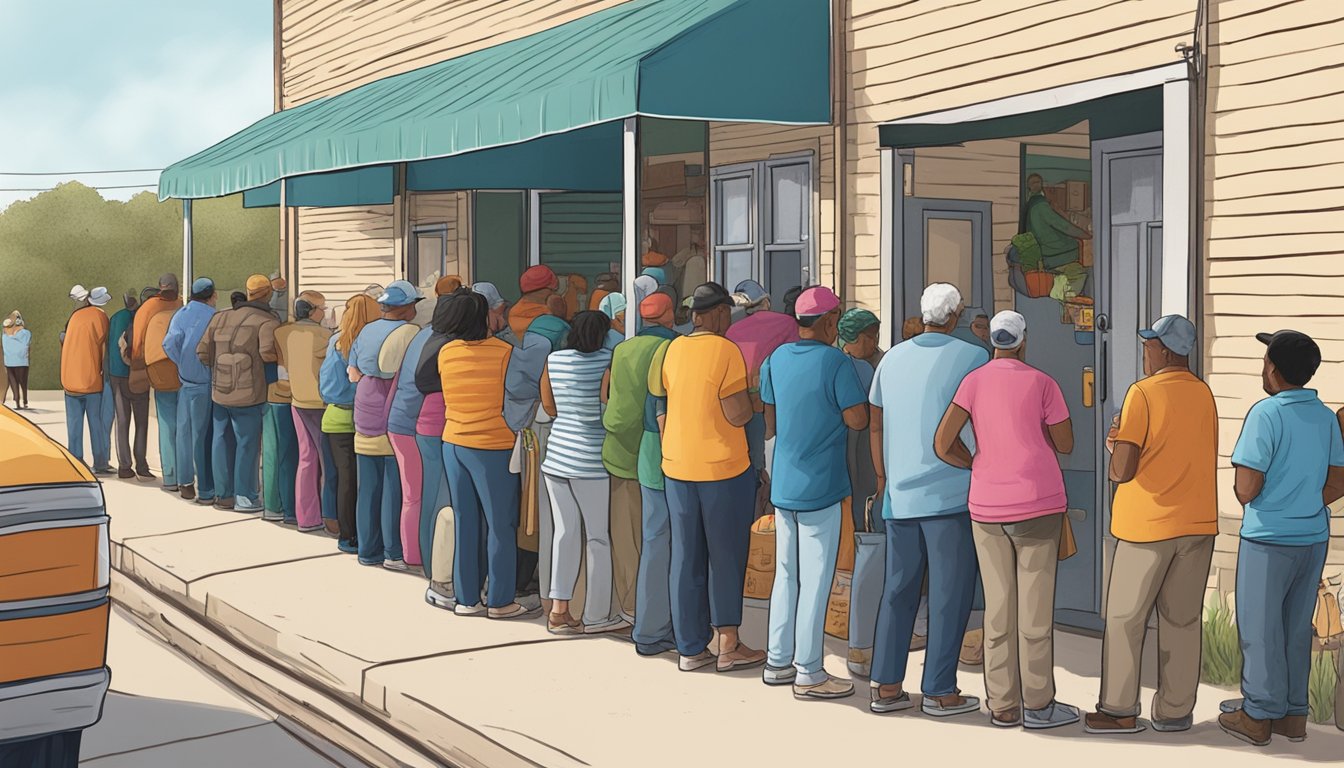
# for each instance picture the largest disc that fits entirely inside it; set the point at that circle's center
(1112, 433)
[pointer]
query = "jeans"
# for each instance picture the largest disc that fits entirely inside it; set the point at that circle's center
(165, 410)
(193, 436)
(378, 509)
(485, 496)
(580, 516)
(109, 418)
(279, 460)
(238, 466)
(806, 546)
(346, 481)
(412, 487)
(1276, 596)
(131, 407)
(313, 473)
(711, 532)
(946, 547)
(433, 497)
(78, 410)
(653, 600)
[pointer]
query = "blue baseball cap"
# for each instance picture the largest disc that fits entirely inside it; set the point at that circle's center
(399, 293)
(201, 285)
(753, 290)
(1174, 331)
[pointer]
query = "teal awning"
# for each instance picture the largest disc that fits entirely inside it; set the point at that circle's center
(587, 160)
(731, 60)
(1123, 114)
(362, 186)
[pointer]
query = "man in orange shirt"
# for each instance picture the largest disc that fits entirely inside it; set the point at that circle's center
(1164, 453)
(83, 353)
(144, 342)
(538, 284)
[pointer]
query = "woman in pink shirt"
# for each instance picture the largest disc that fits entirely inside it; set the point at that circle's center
(1017, 504)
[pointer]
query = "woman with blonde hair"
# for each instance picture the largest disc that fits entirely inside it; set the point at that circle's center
(17, 341)
(338, 421)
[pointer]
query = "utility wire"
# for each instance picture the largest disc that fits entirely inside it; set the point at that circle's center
(76, 173)
(48, 189)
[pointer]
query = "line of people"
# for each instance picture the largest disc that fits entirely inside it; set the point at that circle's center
(568, 453)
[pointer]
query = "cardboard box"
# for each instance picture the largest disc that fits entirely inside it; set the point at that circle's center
(837, 609)
(1078, 195)
(758, 583)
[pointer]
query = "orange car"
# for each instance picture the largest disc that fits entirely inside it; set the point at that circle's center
(54, 569)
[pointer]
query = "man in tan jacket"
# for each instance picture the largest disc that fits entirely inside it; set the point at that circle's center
(237, 346)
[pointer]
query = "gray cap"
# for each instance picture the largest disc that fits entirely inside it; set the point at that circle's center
(168, 281)
(1175, 332)
(490, 292)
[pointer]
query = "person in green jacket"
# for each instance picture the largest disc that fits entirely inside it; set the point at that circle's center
(1057, 236)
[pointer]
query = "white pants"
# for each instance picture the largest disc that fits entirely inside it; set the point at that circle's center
(580, 516)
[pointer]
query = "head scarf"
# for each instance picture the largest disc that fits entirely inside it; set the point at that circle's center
(360, 310)
(854, 322)
(612, 305)
(657, 273)
(645, 287)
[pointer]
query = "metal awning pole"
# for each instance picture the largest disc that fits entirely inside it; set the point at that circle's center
(187, 255)
(629, 228)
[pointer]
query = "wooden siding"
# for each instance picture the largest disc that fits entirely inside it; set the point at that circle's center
(731, 143)
(343, 250)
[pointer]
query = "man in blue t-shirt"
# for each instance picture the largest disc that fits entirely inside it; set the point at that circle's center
(1289, 464)
(925, 509)
(812, 398)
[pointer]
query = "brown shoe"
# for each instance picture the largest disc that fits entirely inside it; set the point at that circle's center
(1292, 727)
(188, 491)
(830, 688)
(1009, 718)
(563, 624)
(1245, 727)
(740, 657)
(333, 527)
(1102, 723)
(513, 611)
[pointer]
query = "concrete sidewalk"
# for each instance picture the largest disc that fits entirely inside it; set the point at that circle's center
(355, 654)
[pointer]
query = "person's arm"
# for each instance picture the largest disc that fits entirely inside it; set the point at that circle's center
(172, 342)
(353, 373)
(1055, 414)
(547, 395)
(205, 349)
(1127, 436)
(1334, 476)
(947, 443)
(875, 449)
(737, 408)
(1248, 484)
(1124, 462)
(856, 417)
(769, 414)
(733, 396)
(1052, 219)
(606, 386)
(849, 393)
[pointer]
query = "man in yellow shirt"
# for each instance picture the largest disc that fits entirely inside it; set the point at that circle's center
(1164, 451)
(710, 483)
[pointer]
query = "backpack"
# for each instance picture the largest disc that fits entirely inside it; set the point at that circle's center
(162, 371)
(553, 328)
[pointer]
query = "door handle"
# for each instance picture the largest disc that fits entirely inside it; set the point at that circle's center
(1105, 370)
(1089, 386)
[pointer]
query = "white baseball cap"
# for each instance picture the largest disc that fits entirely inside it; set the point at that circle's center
(1007, 329)
(99, 296)
(79, 292)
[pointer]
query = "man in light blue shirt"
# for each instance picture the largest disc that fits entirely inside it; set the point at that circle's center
(925, 509)
(1289, 464)
(194, 407)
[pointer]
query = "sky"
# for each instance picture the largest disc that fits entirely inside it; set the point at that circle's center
(102, 85)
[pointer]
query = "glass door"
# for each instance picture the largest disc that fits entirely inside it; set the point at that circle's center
(788, 214)
(763, 227)
(735, 239)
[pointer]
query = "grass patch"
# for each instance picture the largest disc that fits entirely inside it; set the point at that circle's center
(1321, 686)
(1220, 663)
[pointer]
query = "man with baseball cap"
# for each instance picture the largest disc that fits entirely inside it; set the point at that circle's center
(146, 351)
(1164, 456)
(1289, 462)
(83, 356)
(195, 476)
(813, 398)
(710, 482)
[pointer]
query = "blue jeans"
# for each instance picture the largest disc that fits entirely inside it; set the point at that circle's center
(165, 408)
(806, 546)
(78, 410)
(109, 416)
(329, 482)
(378, 509)
(653, 600)
(193, 439)
(944, 545)
(279, 461)
(236, 466)
(433, 495)
(485, 497)
(711, 533)
(1276, 596)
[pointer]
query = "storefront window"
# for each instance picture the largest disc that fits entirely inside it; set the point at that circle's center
(672, 215)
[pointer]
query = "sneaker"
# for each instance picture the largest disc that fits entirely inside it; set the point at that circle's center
(395, 565)
(1290, 727)
(145, 476)
(1242, 726)
(225, 505)
(440, 595)
(348, 547)
(478, 609)
(860, 662)
(271, 517)
(1102, 723)
(512, 611)
(779, 675)
(1055, 715)
(1173, 726)
(949, 705)
(531, 601)
(882, 705)
(1009, 718)
(188, 491)
(740, 657)
(125, 474)
(698, 661)
(830, 688)
(655, 649)
(248, 506)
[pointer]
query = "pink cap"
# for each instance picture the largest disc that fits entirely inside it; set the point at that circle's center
(817, 300)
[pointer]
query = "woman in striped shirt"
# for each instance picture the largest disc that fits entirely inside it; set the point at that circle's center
(576, 480)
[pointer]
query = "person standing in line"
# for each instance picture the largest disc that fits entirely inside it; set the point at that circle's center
(813, 399)
(338, 421)
(302, 347)
(1017, 505)
(572, 387)
(147, 333)
(18, 342)
(375, 359)
(279, 449)
(1164, 456)
(1289, 462)
(130, 406)
(83, 352)
(710, 483)
(477, 445)
(195, 476)
(757, 335)
(99, 297)
(236, 346)
(613, 306)
(858, 336)
(924, 509)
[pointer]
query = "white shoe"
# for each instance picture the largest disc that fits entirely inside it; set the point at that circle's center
(478, 609)
(396, 565)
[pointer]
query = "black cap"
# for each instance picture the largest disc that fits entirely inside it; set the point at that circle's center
(1294, 353)
(708, 296)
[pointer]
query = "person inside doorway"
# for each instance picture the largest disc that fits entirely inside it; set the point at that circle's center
(1056, 235)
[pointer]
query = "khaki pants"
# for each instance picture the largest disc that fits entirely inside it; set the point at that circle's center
(1171, 576)
(1017, 565)
(626, 534)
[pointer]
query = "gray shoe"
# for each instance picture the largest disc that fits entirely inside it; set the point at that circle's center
(882, 706)
(931, 707)
(396, 565)
(1056, 715)
(440, 595)
(1228, 706)
(1174, 726)
(779, 675)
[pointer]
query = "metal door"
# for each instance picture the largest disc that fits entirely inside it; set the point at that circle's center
(949, 241)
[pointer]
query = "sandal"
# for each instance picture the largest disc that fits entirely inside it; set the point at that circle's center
(563, 624)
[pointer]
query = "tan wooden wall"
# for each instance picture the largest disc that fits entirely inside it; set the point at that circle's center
(449, 209)
(343, 250)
